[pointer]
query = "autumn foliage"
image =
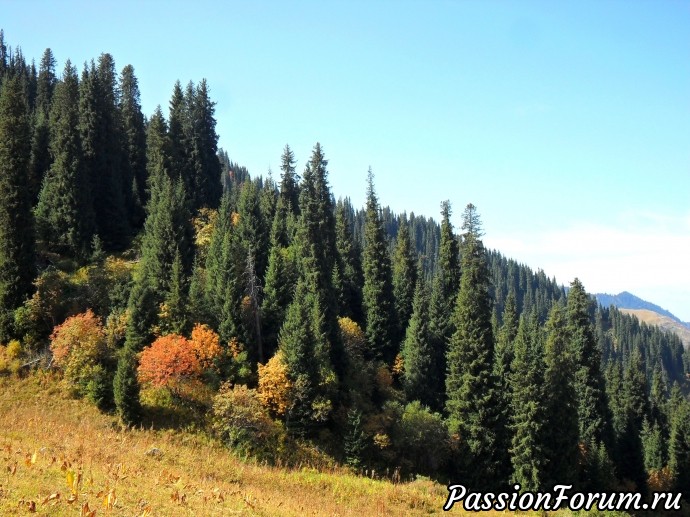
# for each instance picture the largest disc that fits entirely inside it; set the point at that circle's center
(275, 387)
(173, 360)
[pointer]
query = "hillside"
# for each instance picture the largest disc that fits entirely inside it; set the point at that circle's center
(626, 300)
(172, 472)
(662, 321)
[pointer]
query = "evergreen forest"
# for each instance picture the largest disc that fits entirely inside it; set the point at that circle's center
(165, 283)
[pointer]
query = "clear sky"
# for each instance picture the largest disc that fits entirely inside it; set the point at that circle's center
(566, 123)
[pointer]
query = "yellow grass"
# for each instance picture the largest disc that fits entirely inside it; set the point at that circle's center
(50, 445)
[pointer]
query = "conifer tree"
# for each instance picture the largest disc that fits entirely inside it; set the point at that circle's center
(253, 231)
(589, 382)
(305, 347)
(289, 180)
(126, 387)
(40, 155)
(178, 130)
(379, 304)
(204, 187)
(527, 415)
(315, 238)
(16, 225)
(419, 379)
(281, 278)
(679, 447)
(349, 264)
(134, 141)
(560, 426)
(64, 213)
(449, 257)
(472, 402)
(100, 129)
(404, 276)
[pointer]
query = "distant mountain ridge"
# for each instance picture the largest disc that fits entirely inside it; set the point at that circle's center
(626, 300)
(648, 312)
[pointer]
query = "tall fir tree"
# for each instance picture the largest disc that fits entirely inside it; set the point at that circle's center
(589, 381)
(404, 276)
(419, 379)
(40, 154)
(349, 264)
(473, 403)
(17, 260)
(134, 142)
(560, 428)
(317, 251)
(100, 132)
(289, 180)
(679, 447)
(379, 304)
(527, 416)
(64, 214)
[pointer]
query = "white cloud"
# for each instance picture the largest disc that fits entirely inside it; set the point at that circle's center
(644, 253)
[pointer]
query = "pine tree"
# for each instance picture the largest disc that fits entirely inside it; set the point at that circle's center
(561, 433)
(206, 188)
(449, 257)
(16, 226)
(100, 131)
(315, 242)
(589, 382)
(419, 379)
(177, 321)
(379, 304)
(40, 155)
(126, 387)
(349, 264)
(473, 404)
(305, 347)
(64, 213)
(179, 122)
(404, 276)
(134, 141)
(527, 415)
(253, 231)
(289, 180)
(679, 447)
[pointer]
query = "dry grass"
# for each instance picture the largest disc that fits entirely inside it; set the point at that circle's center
(62, 457)
(664, 322)
(44, 437)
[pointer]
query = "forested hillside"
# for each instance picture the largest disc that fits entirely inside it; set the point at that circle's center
(162, 280)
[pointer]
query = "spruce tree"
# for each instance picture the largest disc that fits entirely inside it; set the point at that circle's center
(379, 304)
(315, 242)
(134, 141)
(473, 403)
(40, 155)
(17, 267)
(419, 379)
(126, 387)
(527, 416)
(679, 447)
(560, 427)
(349, 264)
(64, 214)
(289, 180)
(404, 276)
(100, 131)
(589, 382)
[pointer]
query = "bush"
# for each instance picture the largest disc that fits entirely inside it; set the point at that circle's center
(80, 351)
(243, 424)
(170, 362)
(275, 388)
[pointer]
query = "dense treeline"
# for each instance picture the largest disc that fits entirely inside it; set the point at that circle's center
(155, 272)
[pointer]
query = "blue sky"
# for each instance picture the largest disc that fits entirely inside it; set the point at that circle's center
(566, 123)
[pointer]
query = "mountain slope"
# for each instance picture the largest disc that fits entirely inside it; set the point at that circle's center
(626, 300)
(663, 321)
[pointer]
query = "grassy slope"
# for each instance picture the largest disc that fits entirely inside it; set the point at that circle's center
(193, 476)
(666, 323)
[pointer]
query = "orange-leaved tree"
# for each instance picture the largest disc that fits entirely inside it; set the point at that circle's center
(206, 345)
(79, 349)
(169, 362)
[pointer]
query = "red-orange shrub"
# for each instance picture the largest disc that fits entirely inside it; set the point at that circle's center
(169, 362)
